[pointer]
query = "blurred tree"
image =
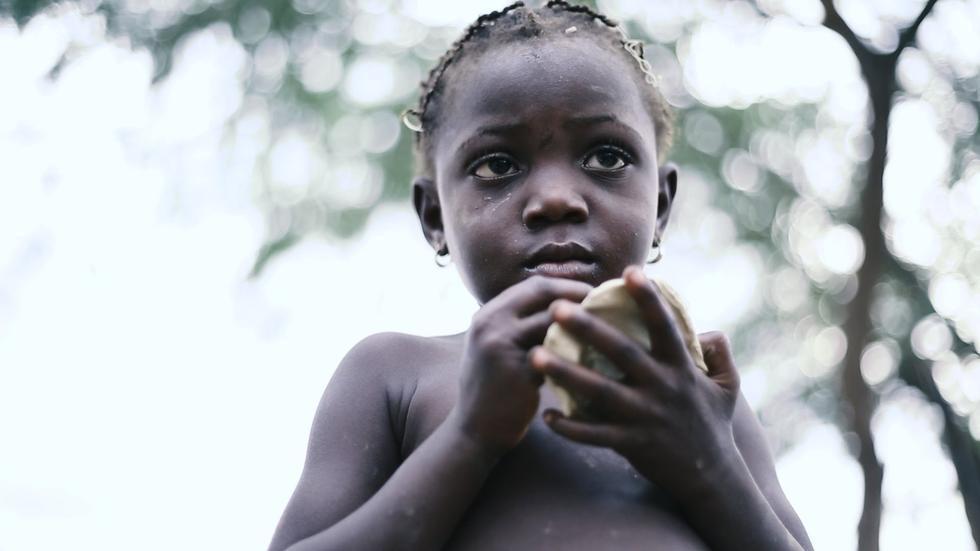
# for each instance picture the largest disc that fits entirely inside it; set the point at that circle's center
(336, 74)
(879, 70)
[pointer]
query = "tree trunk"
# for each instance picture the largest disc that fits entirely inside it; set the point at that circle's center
(879, 73)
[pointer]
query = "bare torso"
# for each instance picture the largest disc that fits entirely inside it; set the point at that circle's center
(548, 492)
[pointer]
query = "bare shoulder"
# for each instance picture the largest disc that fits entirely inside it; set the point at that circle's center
(376, 354)
(357, 434)
(378, 381)
(383, 372)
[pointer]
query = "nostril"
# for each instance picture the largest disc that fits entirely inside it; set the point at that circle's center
(566, 208)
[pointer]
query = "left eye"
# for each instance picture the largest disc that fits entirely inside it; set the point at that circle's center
(606, 159)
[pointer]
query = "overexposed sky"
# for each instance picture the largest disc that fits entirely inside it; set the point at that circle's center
(151, 393)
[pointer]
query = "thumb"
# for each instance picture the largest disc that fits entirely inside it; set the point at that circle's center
(719, 360)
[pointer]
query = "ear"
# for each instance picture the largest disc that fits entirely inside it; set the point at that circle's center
(425, 198)
(665, 197)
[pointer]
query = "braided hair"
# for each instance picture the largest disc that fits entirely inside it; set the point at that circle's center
(519, 22)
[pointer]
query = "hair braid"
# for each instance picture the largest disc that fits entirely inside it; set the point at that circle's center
(635, 49)
(581, 9)
(435, 75)
(422, 119)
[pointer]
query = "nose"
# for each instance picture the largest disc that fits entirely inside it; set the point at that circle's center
(553, 199)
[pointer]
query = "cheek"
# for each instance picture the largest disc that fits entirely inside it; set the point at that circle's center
(638, 222)
(474, 226)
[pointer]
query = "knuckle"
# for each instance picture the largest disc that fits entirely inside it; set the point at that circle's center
(671, 388)
(716, 340)
(493, 338)
(604, 391)
(478, 321)
(736, 380)
(648, 409)
(722, 343)
(628, 352)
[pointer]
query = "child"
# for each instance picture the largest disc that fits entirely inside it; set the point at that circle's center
(539, 141)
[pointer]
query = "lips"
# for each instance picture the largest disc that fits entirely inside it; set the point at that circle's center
(570, 260)
(559, 252)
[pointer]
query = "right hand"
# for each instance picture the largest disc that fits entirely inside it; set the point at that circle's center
(499, 392)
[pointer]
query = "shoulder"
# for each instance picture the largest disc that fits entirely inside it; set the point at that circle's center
(388, 345)
(378, 354)
(368, 388)
(393, 362)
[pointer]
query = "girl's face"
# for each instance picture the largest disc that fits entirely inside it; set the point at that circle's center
(545, 162)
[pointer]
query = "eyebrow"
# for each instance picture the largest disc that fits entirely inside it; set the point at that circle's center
(591, 119)
(571, 123)
(492, 130)
(586, 120)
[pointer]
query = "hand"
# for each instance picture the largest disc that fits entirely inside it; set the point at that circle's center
(672, 421)
(499, 392)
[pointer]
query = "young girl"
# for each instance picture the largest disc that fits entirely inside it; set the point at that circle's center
(539, 139)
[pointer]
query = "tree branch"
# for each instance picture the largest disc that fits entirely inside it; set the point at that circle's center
(833, 21)
(908, 35)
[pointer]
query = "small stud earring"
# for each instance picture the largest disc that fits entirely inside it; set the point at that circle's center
(656, 253)
(442, 257)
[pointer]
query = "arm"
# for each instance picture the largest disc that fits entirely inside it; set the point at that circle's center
(346, 499)
(740, 504)
(754, 447)
(352, 493)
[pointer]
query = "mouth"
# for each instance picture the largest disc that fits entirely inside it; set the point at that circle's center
(569, 260)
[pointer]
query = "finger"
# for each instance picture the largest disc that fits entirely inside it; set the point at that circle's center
(595, 392)
(531, 330)
(596, 434)
(666, 342)
(720, 360)
(627, 354)
(536, 293)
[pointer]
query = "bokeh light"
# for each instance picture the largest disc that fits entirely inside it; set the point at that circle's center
(135, 205)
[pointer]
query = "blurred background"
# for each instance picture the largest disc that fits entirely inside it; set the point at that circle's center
(204, 204)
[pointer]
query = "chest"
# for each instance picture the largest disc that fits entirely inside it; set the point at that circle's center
(550, 492)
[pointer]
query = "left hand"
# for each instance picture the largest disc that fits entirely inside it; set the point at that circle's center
(671, 421)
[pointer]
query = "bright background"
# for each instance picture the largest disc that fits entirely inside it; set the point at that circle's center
(153, 395)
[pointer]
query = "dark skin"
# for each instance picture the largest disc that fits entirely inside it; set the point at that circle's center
(453, 442)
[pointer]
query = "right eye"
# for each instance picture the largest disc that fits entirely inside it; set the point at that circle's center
(494, 167)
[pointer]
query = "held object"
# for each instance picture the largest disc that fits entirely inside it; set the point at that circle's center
(611, 302)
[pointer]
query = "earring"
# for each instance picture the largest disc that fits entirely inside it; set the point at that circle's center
(656, 253)
(412, 120)
(442, 257)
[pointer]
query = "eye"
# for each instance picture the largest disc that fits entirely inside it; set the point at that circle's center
(493, 167)
(607, 158)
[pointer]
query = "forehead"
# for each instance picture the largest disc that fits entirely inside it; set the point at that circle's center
(525, 81)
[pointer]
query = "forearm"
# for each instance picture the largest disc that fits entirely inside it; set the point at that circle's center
(729, 511)
(422, 502)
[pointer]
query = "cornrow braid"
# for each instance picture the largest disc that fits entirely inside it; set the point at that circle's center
(422, 119)
(413, 118)
(633, 47)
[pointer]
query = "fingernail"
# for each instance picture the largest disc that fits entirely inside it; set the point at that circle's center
(562, 310)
